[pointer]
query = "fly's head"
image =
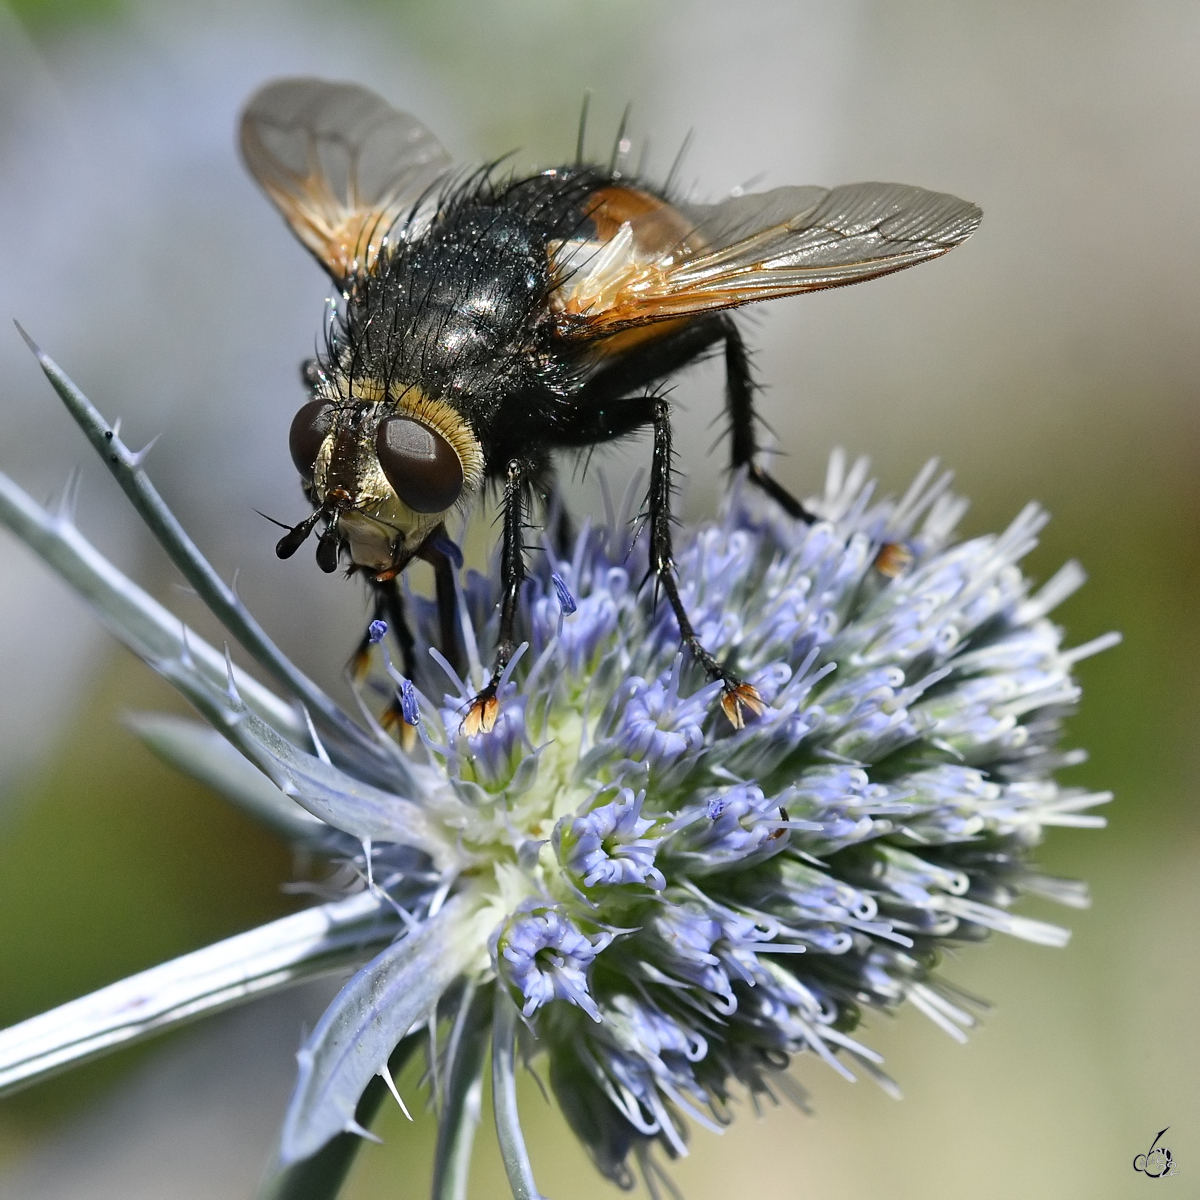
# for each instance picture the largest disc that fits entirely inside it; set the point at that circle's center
(384, 465)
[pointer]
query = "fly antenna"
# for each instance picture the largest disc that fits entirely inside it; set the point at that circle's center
(328, 545)
(297, 535)
(581, 136)
(281, 524)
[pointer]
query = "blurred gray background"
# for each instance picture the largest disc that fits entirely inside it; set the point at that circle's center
(1054, 356)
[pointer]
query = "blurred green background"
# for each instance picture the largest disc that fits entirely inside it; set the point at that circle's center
(1055, 356)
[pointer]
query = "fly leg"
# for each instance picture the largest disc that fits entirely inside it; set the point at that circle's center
(738, 698)
(388, 606)
(485, 707)
(437, 550)
(739, 399)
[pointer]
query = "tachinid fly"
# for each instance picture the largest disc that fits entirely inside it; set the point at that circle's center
(486, 322)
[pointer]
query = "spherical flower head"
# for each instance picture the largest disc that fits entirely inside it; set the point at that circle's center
(675, 905)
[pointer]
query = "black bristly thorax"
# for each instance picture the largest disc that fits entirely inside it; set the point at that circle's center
(461, 311)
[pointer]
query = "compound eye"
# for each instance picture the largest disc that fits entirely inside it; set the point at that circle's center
(420, 464)
(310, 428)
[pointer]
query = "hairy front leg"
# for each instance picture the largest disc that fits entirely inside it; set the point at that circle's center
(444, 557)
(387, 607)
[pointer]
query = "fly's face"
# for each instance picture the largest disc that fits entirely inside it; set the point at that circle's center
(386, 467)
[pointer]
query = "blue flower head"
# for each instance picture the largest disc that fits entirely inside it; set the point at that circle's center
(670, 910)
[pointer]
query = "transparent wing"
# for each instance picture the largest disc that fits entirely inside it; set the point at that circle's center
(755, 247)
(340, 164)
(739, 217)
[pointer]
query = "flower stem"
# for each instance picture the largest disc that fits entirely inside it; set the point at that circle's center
(504, 1100)
(459, 1117)
(316, 941)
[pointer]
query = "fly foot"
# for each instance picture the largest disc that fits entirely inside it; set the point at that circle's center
(740, 702)
(481, 713)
